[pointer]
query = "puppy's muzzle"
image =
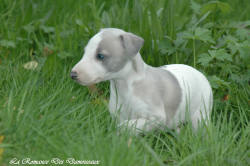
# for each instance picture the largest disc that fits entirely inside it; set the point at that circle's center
(73, 75)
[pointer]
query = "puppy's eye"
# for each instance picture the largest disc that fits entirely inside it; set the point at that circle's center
(100, 56)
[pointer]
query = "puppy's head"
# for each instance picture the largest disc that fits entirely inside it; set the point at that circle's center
(106, 55)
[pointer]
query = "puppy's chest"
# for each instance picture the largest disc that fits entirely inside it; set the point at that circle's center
(127, 105)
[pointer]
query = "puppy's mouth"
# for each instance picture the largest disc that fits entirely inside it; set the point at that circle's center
(88, 83)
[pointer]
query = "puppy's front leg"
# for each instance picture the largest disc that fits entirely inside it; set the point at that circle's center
(138, 125)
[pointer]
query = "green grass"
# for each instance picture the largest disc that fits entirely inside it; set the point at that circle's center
(45, 115)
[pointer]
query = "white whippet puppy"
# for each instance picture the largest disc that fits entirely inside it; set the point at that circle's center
(141, 95)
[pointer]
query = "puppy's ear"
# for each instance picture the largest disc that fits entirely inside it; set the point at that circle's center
(131, 43)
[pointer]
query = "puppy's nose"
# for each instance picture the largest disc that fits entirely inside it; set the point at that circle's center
(73, 75)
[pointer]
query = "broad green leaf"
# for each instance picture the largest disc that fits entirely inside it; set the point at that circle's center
(220, 54)
(224, 56)
(227, 68)
(7, 44)
(230, 39)
(224, 7)
(195, 6)
(243, 33)
(187, 35)
(209, 25)
(245, 23)
(203, 35)
(217, 82)
(240, 78)
(240, 24)
(244, 49)
(233, 47)
(179, 40)
(165, 46)
(202, 19)
(204, 59)
(231, 43)
(215, 5)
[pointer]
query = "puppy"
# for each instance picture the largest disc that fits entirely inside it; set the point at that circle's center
(143, 97)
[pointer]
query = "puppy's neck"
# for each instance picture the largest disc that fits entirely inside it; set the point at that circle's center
(138, 65)
(134, 70)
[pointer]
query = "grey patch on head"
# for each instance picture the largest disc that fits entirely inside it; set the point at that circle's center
(159, 89)
(118, 46)
(113, 51)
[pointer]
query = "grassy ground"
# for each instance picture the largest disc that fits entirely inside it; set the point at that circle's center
(45, 115)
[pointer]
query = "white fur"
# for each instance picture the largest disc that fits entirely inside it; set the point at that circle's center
(191, 82)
